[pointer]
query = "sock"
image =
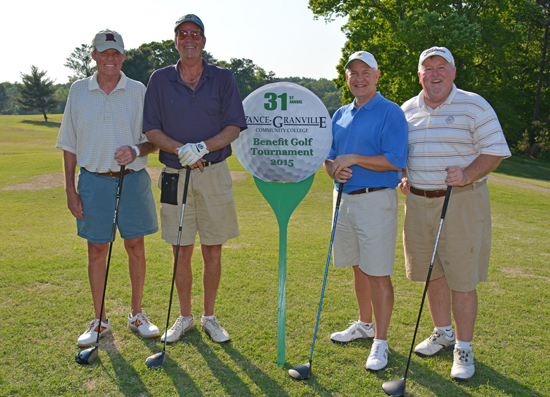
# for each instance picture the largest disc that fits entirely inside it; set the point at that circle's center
(208, 317)
(381, 341)
(463, 345)
(368, 325)
(448, 331)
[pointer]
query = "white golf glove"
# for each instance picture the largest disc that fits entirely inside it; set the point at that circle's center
(191, 153)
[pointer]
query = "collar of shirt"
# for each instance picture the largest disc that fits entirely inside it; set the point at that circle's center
(121, 85)
(447, 101)
(367, 106)
(206, 72)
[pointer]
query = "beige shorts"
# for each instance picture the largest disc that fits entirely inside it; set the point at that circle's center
(209, 210)
(464, 245)
(366, 231)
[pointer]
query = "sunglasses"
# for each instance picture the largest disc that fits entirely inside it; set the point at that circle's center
(195, 34)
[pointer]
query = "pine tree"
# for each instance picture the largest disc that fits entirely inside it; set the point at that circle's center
(37, 92)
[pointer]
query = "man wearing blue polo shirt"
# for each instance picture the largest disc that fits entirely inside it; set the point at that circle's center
(368, 152)
(193, 111)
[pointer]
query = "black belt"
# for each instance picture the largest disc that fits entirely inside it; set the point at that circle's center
(366, 190)
(208, 163)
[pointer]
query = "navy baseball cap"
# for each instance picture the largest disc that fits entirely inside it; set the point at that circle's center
(189, 18)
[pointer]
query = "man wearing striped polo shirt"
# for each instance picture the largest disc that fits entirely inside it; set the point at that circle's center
(455, 139)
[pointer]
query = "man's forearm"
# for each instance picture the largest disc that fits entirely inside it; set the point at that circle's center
(69, 169)
(223, 138)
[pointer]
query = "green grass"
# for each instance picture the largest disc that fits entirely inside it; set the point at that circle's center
(46, 302)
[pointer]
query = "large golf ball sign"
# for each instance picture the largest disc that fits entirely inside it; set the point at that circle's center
(289, 133)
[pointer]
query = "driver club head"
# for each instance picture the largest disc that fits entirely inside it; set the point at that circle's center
(300, 372)
(395, 387)
(156, 360)
(86, 356)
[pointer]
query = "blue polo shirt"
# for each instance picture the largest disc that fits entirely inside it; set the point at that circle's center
(188, 115)
(378, 127)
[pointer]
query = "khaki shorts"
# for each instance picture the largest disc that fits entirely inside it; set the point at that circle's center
(209, 210)
(464, 245)
(366, 231)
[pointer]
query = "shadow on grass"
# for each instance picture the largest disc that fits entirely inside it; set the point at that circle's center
(524, 167)
(127, 378)
(419, 373)
(51, 124)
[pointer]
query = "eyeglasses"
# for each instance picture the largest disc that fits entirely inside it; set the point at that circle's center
(195, 34)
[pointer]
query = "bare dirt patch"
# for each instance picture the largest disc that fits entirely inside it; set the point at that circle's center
(50, 181)
(521, 273)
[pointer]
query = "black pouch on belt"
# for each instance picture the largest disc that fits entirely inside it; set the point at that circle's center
(169, 188)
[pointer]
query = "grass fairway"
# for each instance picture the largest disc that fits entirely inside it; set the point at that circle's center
(46, 303)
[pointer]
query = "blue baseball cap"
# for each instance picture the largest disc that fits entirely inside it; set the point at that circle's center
(189, 18)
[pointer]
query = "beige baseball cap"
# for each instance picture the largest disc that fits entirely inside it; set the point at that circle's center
(106, 39)
(441, 51)
(364, 56)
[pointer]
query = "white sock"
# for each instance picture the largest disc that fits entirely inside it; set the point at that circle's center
(448, 330)
(208, 317)
(463, 345)
(381, 341)
(368, 325)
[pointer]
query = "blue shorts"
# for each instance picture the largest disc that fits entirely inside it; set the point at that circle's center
(137, 215)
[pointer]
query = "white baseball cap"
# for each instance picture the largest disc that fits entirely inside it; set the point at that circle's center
(441, 51)
(106, 39)
(364, 56)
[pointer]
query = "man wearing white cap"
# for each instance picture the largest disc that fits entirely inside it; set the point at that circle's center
(101, 130)
(368, 153)
(455, 139)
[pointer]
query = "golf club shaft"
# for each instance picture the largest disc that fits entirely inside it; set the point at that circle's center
(183, 201)
(337, 208)
(113, 233)
(443, 212)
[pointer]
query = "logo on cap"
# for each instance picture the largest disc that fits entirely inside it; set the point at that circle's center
(110, 37)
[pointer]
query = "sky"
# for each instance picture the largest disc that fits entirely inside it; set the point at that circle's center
(278, 35)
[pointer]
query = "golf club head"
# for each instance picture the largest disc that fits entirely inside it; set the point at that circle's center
(395, 387)
(156, 360)
(300, 372)
(86, 356)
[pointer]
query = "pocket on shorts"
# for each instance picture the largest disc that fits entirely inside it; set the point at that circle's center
(169, 188)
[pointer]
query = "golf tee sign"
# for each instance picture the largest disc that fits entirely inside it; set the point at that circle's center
(288, 138)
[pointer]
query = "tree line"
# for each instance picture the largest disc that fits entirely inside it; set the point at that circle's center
(39, 94)
(500, 49)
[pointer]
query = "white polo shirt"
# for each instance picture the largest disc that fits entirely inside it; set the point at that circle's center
(455, 133)
(96, 124)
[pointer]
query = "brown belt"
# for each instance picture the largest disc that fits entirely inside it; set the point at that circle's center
(110, 173)
(208, 163)
(428, 193)
(366, 190)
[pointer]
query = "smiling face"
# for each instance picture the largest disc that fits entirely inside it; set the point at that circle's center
(362, 80)
(109, 62)
(436, 76)
(189, 48)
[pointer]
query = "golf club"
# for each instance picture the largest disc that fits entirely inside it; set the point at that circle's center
(156, 360)
(397, 387)
(301, 372)
(87, 356)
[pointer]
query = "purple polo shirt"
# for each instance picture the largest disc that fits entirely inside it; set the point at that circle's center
(190, 116)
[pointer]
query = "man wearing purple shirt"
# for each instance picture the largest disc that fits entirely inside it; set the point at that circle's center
(192, 113)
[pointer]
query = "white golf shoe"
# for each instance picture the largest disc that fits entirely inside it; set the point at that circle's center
(214, 330)
(355, 331)
(463, 365)
(180, 327)
(141, 324)
(437, 341)
(378, 357)
(89, 337)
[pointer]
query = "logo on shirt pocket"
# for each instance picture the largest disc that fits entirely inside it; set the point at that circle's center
(450, 120)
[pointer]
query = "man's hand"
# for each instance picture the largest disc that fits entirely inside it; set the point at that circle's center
(456, 176)
(191, 153)
(124, 155)
(404, 186)
(74, 203)
(335, 170)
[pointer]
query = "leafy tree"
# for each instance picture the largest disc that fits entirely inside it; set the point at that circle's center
(81, 62)
(138, 64)
(493, 42)
(248, 75)
(4, 99)
(37, 92)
